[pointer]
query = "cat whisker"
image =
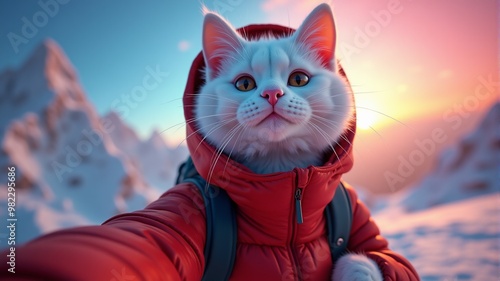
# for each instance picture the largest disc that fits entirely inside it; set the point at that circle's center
(332, 147)
(376, 132)
(325, 136)
(191, 120)
(225, 141)
(330, 112)
(207, 105)
(243, 127)
(215, 127)
(312, 132)
(215, 97)
(330, 124)
(170, 101)
(386, 115)
(318, 110)
(365, 92)
(315, 96)
(334, 126)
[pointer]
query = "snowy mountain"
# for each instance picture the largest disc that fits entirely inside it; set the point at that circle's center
(448, 226)
(452, 242)
(468, 169)
(69, 170)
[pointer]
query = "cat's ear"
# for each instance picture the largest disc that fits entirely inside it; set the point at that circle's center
(317, 32)
(220, 40)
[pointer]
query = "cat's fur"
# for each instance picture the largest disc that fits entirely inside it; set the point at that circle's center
(354, 267)
(299, 125)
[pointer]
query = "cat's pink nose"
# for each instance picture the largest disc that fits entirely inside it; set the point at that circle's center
(272, 95)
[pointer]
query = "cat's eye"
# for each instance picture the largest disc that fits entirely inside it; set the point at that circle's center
(245, 83)
(298, 79)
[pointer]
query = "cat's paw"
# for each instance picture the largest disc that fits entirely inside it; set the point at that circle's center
(356, 267)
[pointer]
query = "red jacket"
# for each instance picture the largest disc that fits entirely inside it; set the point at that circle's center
(165, 241)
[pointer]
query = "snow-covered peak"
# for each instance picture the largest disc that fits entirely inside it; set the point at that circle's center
(46, 78)
(60, 73)
(49, 68)
(50, 59)
(482, 145)
(468, 169)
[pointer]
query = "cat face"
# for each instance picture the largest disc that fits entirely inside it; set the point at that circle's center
(273, 99)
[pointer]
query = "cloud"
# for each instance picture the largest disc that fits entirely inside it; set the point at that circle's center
(183, 45)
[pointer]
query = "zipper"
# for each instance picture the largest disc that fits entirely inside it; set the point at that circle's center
(298, 205)
(295, 220)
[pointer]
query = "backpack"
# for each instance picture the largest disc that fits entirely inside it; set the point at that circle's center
(220, 247)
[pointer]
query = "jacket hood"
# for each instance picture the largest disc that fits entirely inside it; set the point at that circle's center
(229, 174)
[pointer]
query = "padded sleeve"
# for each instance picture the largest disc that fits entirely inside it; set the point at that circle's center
(165, 241)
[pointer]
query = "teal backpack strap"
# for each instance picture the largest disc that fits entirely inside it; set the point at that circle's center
(339, 220)
(220, 245)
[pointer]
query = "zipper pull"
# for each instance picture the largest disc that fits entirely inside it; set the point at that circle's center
(298, 205)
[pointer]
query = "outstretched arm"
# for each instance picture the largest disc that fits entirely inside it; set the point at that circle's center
(164, 241)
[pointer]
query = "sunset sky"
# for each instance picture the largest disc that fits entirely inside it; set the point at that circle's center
(406, 59)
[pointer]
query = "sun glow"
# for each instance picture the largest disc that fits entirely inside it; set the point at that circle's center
(365, 119)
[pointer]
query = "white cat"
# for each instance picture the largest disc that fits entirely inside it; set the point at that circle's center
(274, 104)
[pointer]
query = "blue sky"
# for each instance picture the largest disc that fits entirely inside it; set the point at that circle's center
(426, 46)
